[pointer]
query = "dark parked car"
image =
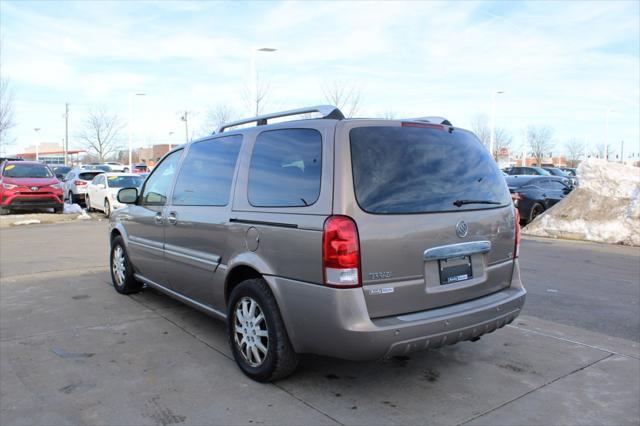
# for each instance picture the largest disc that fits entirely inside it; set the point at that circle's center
(569, 171)
(555, 171)
(60, 171)
(534, 171)
(534, 194)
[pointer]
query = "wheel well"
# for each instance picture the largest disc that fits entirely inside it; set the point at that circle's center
(236, 276)
(115, 233)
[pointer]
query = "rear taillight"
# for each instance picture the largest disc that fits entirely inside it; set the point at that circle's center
(516, 250)
(80, 182)
(341, 252)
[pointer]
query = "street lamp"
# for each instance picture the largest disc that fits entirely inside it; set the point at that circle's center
(254, 74)
(131, 97)
(492, 136)
(606, 133)
(37, 129)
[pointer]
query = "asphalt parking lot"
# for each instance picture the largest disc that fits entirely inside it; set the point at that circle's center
(73, 351)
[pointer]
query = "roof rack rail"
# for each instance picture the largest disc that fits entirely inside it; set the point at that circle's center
(327, 112)
(435, 120)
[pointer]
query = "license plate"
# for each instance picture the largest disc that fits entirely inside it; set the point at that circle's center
(455, 270)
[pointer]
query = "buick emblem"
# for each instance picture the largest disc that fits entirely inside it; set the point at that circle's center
(462, 229)
(34, 188)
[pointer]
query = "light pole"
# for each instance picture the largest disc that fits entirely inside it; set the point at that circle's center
(131, 96)
(254, 75)
(492, 136)
(37, 129)
(185, 118)
(606, 133)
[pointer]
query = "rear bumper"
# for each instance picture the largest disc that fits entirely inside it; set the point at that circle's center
(335, 322)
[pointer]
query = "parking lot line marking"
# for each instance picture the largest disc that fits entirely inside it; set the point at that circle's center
(599, 348)
(535, 389)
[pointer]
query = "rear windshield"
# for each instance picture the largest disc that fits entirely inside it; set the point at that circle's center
(125, 181)
(88, 175)
(27, 171)
(420, 170)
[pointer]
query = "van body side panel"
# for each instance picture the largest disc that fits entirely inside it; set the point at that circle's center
(287, 239)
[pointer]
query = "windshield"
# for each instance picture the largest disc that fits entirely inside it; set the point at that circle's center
(124, 181)
(555, 172)
(419, 170)
(27, 171)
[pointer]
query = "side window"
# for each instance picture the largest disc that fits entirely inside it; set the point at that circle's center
(207, 172)
(285, 168)
(159, 181)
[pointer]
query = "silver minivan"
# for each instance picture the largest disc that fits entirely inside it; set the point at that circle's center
(352, 238)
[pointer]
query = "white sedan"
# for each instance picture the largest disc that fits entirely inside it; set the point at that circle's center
(102, 192)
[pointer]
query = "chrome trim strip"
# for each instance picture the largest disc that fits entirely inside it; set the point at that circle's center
(182, 298)
(206, 261)
(144, 243)
(456, 250)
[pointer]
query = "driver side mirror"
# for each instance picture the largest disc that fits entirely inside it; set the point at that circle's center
(128, 195)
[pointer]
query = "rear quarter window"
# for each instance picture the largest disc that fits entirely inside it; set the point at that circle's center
(402, 170)
(286, 168)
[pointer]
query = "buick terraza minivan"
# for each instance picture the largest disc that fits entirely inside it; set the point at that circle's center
(352, 238)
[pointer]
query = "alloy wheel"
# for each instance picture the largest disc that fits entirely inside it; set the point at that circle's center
(119, 265)
(250, 331)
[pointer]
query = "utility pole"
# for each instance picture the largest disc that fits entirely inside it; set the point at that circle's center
(66, 132)
(185, 118)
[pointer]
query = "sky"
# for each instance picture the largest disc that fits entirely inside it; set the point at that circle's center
(560, 64)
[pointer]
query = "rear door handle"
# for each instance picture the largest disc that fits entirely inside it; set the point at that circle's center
(173, 219)
(158, 218)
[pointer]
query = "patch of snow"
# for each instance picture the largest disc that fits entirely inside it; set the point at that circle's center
(72, 209)
(604, 208)
(83, 215)
(26, 222)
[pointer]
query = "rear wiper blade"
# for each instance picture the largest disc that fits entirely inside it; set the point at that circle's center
(459, 203)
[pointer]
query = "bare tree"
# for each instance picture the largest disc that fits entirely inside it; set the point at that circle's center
(100, 133)
(216, 117)
(6, 111)
(256, 97)
(575, 150)
(344, 95)
(540, 142)
(480, 127)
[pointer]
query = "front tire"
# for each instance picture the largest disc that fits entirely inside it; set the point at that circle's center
(257, 334)
(107, 208)
(87, 202)
(4, 211)
(122, 270)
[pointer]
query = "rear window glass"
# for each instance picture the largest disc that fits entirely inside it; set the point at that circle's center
(285, 168)
(419, 170)
(124, 181)
(27, 171)
(88, 175)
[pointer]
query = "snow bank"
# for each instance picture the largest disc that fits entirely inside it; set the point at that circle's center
(72, 209)
(604, 208)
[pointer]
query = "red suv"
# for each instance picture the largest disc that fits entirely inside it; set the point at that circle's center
(29, 184)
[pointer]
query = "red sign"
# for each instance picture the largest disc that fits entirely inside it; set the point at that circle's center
(504, 152)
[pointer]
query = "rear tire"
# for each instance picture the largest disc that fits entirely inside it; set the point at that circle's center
(536, 211)
(70, 197)
(257, 335)
(122, 269)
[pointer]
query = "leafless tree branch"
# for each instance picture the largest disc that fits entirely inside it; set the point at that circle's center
(540, 142)
(100, 133)
(344, 95)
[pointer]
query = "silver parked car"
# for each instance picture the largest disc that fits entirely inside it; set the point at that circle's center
(76, 182)
(358, 239)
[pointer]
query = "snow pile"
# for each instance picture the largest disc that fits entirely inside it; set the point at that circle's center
(26, 222)
(72, 209)
(83, 215)
(604, 208)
